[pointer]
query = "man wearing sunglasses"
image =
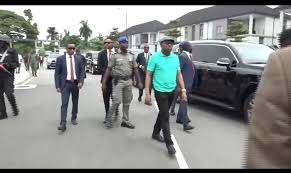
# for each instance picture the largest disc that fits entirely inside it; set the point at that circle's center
(142, 61)
(103, 58)
(69, 78)
(121, 67)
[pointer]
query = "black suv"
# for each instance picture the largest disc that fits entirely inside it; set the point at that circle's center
(228, 73)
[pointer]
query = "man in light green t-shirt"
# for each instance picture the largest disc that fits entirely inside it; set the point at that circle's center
(164, 67)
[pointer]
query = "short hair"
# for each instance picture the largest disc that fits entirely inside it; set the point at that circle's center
(70, 42)
(285, 38)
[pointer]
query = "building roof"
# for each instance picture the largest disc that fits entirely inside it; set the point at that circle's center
(151, 26)
(282, 7)
(219, 12)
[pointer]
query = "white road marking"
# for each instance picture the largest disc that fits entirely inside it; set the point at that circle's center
(27, 81)
(179, 155)
(25, 85)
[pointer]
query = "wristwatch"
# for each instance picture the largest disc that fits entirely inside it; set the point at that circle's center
(183, 90)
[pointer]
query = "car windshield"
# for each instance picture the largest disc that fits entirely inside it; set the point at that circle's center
(253, 53)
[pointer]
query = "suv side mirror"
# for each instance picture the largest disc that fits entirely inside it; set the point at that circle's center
(223, 62)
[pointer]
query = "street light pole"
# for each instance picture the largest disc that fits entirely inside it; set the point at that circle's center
(126, 19)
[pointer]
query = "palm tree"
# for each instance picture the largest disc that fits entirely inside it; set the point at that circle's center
(52, 33)
(85, 31)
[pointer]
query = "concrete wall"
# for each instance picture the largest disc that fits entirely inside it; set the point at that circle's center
(260, 25)
(223, 24)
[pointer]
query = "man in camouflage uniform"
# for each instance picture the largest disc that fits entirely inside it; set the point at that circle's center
(121, 67)
(8, 63)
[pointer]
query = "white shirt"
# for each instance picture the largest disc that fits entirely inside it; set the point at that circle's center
(68, 60)
(19, 58)
(188, 54)
(146, 56)
(112, 51)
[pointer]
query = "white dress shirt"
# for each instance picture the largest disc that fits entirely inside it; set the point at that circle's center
(112, 52)
(68, 60)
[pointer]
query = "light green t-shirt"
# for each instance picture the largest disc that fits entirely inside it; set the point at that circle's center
(164, 69)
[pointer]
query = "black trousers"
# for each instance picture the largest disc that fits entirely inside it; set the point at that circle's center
(7, 87)
(106, 97)
(70, 88)
(142, 78)
(164, 100)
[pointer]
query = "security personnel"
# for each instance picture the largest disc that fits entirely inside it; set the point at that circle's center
(121, 67)
(8, 63)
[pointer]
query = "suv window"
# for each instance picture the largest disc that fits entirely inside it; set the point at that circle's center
(210, 53)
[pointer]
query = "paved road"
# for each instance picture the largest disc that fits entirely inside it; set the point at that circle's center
(31, 140)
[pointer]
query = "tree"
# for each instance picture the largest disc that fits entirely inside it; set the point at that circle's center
(53, 35)
(16, 27)
(174, 32)
(73, 39)
(235, 30)
(97, 43)
(85, 31)
(28, 14)
(114, 34)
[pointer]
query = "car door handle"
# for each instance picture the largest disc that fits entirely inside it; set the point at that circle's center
(209, 69)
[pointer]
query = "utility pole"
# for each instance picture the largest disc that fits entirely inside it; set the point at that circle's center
(126, 19)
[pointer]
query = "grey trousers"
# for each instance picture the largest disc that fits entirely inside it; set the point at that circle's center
(122, 92)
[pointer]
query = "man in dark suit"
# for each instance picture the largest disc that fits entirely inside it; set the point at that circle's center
(78, 52)
(103, 58)
(188, 72)
(69, 78)
(142, 61)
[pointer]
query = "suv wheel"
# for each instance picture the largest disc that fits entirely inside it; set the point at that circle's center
(248, 106)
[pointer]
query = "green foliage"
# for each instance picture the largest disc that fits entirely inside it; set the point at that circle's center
(97, 43)
(174, 33)
(235, 29)
(73, 38)
(85, 31)
(53, 34)
(16, 26)
(50, 47)
(114, 34)
(28, 14)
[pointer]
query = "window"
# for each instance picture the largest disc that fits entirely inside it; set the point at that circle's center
(186, 33)
(201, 31)
(193, 32)
(211, 53)
(219, 30)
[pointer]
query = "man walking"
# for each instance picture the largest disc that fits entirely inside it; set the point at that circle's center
(103, 58)
(8, 63)
(34, 63)
(69, 78)
(142, 61)
(121, 66)
(166, 69)
(78, 52)
(188, 72)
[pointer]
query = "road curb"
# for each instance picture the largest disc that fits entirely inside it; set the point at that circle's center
(24, 80)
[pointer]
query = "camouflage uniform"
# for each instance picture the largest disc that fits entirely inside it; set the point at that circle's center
(122, 70)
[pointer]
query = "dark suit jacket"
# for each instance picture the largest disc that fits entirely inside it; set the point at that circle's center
(102, 62)
(61, 70)
(140, 60)
(187, 70)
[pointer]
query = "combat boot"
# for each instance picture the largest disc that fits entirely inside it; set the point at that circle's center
(3, 115)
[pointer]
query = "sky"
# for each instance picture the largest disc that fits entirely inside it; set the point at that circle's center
(101, 18)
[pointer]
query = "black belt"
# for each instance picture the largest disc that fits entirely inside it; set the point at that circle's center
(72, 81)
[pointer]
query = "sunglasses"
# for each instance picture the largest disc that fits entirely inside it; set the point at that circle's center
(71, 48)
(107, 42)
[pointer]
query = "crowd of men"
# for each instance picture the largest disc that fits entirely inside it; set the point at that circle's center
(169, 76)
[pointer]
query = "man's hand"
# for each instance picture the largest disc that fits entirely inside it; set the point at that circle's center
(140, 85)
(184, 97)
(148, 100)
(80, 85)
(142, 67)
(59, 90)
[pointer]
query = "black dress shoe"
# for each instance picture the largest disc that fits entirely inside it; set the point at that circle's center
(158, 137)
(128, 125)
(171, 149)
(74, 122)
(62, 127)
(139, 99)
(172, 113)
(188, 127)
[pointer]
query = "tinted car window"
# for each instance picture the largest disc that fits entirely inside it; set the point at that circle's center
(253, 53)
(210, 53)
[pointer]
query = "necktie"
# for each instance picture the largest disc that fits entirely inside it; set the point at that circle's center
(72, 69)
